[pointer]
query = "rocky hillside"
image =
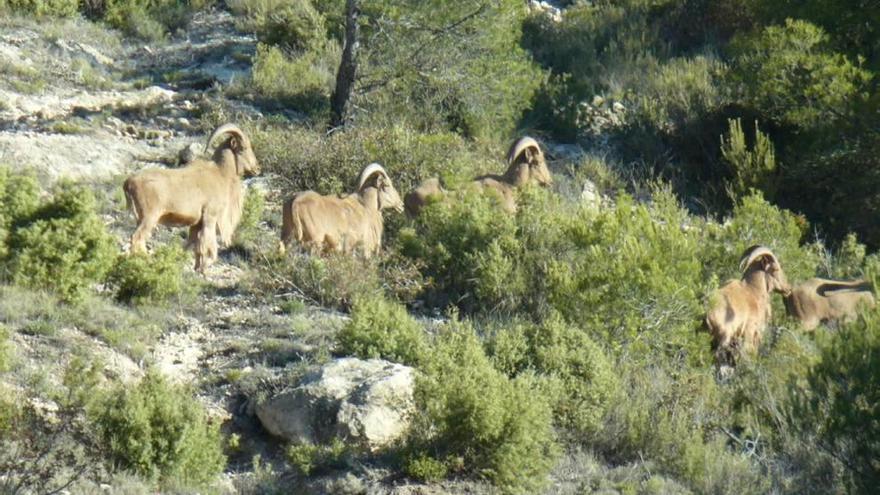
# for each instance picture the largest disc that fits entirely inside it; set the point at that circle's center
(559, 349)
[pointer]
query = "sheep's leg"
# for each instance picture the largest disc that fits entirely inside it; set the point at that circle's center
(192, 239)
(142, 233)
(206, 249)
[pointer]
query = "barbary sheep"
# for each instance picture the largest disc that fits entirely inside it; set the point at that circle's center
(740, 310)
(525, 162)
(341, 223)
(820, 300)
(205, 195)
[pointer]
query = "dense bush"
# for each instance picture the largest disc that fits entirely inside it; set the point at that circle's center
(55, 8)
(788, 74)
(579, 371)
(381, 329)
(667, 414)
(474, 419)
(752, 169)
(303, 81)
(142, 278)
(20, 193)
(158, 430)
(249, 231)
(309, 459)
(309, 159)
(62, 246)
(842, 403)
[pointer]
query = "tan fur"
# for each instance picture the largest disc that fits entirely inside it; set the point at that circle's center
(820, 300)
(205, 196)
(526, 164)
(740, 310)
(341, 223)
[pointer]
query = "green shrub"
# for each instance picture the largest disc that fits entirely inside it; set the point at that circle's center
(248, 231)
(294, 25)
(147, 19)
(54, 8)
(667, 414)
(755, 221)
(565, 354)
(467, 244)
(752, 169)
(842, 401)
(63, 246)
(302, 81)
(473, 418)
(425, 468)
(790, 76)
(333, 281)
(159, 431)
(647, 292)
(5, 351)
(20, 193)
(305, 158)
(142, 278)
(381, 329)
(309, 459)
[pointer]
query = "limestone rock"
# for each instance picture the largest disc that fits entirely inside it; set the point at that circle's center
(366, 402)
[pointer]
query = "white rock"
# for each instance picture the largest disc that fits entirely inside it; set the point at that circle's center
(366, 402)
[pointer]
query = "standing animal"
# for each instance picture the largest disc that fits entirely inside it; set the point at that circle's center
(341, 223)
(525, 164)
(205, 196)
(820, 300)
(740, 310)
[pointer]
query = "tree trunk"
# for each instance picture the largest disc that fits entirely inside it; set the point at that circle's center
(339, 102)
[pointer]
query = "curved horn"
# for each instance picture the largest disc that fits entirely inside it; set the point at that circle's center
(225, 129)
(519, 145)
(371, 170)
(754, 253)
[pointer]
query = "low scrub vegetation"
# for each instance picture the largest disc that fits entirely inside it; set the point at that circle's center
(142, 279)
(159, 431)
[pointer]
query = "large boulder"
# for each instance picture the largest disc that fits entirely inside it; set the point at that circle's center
(369, 403)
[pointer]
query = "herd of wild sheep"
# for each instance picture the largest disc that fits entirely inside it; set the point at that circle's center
(206, 196)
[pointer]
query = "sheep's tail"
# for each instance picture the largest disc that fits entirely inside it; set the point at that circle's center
(128, 189)
(854, 286)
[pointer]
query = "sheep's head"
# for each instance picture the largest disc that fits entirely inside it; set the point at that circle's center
(388, 197)
(240, 145)
(527, 159)
(761, 258)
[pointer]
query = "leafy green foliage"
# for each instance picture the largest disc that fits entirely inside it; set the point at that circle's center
(843, 401)
(141, 278)
(62, 246)
(21, 195)
(581, 372)
(160, 431)
(752, 169)
(788, 74)
(381, 329)
(54, 8)
(473, 418)
(147, 19)
(294, 25)
(248, 231)
(303, 81)
(309, 459)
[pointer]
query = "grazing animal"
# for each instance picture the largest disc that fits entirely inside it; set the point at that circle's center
(740, 310)
(820, 300)
(205, 196)
(341, 223)
(525, 164)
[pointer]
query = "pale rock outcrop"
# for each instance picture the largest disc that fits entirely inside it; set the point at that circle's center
(366, 402)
